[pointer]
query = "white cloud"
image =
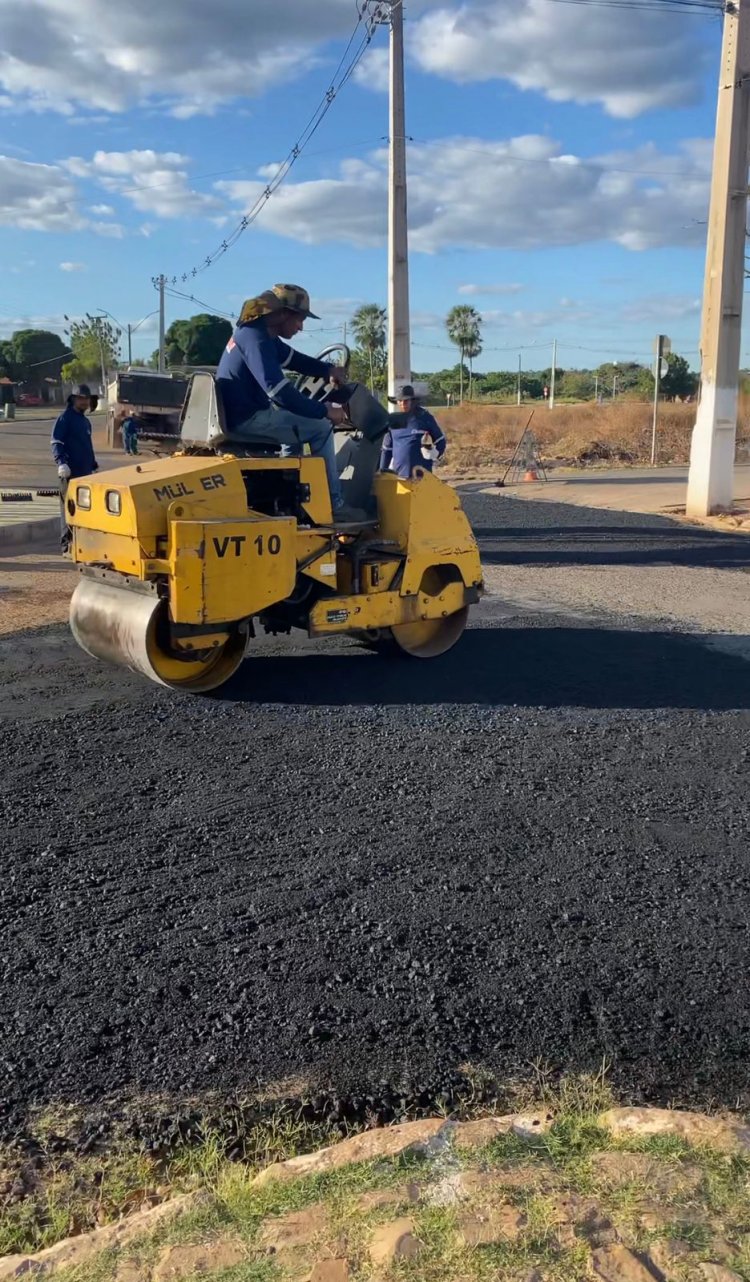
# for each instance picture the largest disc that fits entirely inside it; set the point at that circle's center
(661, 308)
(373, 71)
(72, 267)
(478, 291)
(190, 58)
(44, 198)
(153, 182)
(102, 210)
(629, 61)
(9, 324)
(37, 197)
(519, 193)
(187, 56)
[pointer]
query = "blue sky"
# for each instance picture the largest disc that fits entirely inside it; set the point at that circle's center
(558, 173)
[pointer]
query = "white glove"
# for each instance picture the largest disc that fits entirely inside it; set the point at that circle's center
(63, 472)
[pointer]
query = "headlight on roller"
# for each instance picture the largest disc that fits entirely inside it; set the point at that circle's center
(83, 497)
(114, 502)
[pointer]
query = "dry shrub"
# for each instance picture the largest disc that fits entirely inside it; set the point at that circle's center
(486, 435)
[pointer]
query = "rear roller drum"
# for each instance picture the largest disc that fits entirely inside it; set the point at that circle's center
(130, 628)
(424, 638)
(429, 638)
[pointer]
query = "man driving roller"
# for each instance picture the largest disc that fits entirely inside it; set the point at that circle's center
(258, 398)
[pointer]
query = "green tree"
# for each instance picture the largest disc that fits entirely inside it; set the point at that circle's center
(500, 383)
(627, 373)
(472, 350)
(576, 385)
(370, 368)
(76, 371)
(199, 340)
(680, 379)
(7, 359)
(447, 380)
(95, 342)
(464, 326)
(368, 326)
(37, 354)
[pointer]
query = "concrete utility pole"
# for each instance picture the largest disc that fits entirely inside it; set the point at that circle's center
(710, 482)
(552, 379)
(519, 379)
(162, 282)
(399, 342)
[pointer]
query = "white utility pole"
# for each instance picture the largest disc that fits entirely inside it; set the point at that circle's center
(519, 378)
(161, 283)
(399, 342)
(710, 482)
(552, 379)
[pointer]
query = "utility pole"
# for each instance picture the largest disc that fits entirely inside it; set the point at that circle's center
(161, 283)
(552, 379)
(519, 378)
(710, 481)
(596, 388)
(399, 342)
(663, 346)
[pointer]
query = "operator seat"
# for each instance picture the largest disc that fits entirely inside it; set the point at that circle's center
(202, 422)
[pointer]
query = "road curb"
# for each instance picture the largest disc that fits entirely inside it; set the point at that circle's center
(28, 531)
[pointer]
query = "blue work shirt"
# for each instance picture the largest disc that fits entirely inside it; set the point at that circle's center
(402, 446)
(71, 442)
(251, 377)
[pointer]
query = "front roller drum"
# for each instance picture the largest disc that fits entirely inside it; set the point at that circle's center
(131, 628)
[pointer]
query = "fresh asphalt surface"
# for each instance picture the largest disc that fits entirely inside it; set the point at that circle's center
(361, 875)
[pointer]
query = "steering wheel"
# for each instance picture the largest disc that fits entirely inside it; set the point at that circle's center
(315, 388)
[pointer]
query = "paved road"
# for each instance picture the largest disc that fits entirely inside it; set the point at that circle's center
(363, 876)
(25, 459)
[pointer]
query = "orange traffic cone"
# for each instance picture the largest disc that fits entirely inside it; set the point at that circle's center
(531, 474)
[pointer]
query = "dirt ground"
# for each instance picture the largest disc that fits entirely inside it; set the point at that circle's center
(36, 585)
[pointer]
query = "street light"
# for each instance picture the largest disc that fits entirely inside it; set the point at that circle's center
(614, 379)
(130, 328)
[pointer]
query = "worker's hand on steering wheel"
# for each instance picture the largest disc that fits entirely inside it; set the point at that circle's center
(338, 375)
(336, 414)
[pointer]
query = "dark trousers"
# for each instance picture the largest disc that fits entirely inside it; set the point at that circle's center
(66, 534)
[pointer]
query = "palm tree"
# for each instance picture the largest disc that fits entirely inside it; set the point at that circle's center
(464, 326)
(473, 350)
(368, 327)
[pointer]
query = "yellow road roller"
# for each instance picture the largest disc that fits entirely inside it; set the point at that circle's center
(182, 558)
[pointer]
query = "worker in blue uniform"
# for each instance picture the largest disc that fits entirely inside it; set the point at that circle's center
(129, 431)
(259, 399)
(404, 445)
(73, 448)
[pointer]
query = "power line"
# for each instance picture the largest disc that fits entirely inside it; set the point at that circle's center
(369, 17)
(176, 293)
(701, 7)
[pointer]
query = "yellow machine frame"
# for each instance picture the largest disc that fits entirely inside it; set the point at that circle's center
(181, 529)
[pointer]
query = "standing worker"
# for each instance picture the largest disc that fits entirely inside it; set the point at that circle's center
(130, 434)
(73, 449)
(403, 446)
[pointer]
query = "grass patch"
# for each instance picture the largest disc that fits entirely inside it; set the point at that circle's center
(696, 1236)
(75, 1194)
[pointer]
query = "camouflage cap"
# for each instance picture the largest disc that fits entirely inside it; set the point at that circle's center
(292, 298)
